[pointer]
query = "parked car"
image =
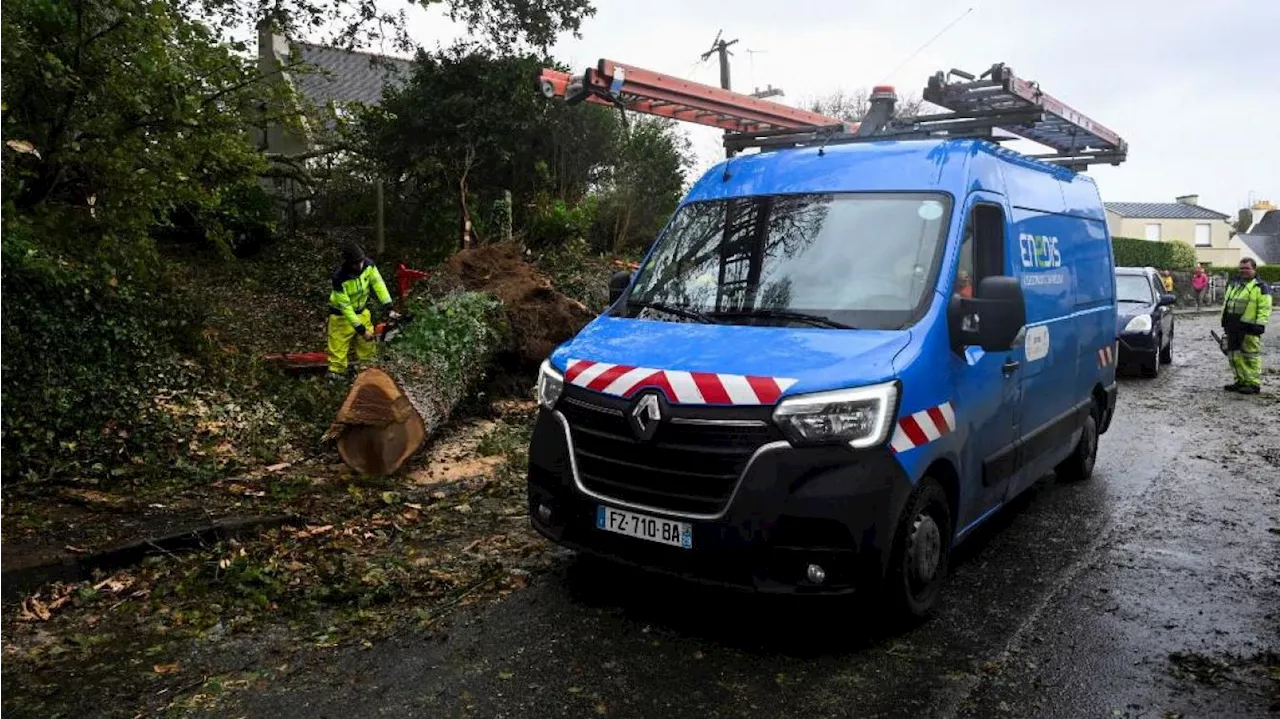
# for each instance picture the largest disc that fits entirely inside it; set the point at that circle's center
(1144, 319)
(833, 366)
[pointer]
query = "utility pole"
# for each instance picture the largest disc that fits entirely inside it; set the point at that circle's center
(721, 47)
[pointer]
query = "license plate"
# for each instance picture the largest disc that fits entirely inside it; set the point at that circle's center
(654, 529)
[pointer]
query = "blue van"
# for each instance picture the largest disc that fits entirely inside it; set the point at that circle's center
(833, 365)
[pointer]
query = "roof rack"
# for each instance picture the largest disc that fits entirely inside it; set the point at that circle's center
(634, 88)
(996, 99)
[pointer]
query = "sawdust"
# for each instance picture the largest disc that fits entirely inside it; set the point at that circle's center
(454, 457)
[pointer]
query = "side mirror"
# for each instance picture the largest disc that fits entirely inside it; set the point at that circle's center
(991, 320)
(1168, 300)
(618, 284)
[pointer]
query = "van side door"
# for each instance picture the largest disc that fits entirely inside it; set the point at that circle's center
(1051, 350)
(987, 384)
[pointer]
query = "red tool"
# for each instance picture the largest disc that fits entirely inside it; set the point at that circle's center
(406, 279)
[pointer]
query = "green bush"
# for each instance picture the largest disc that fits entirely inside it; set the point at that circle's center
(82, 347)
(1182, 256)
(1132, 252)
(556, 222)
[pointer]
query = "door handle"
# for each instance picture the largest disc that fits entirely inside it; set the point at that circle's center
(1010, 366)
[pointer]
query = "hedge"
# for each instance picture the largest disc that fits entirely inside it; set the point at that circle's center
(1132, 252)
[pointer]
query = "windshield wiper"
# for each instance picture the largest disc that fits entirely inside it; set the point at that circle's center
(815, 320)
(673, 310)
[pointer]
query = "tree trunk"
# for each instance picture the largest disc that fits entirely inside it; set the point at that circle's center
(377, 427)
(385, 419)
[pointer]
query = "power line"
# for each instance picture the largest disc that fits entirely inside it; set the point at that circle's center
(920, 49)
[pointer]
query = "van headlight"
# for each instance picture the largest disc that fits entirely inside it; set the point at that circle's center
(1141, 323)
(861, 416)
(550, 385)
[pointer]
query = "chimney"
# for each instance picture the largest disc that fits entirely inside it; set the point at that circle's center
(1188, 200)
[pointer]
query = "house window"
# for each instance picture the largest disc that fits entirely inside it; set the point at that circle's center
(1203, 235)
(1153, 231)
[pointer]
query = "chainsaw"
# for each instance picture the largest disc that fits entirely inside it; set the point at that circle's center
(384, 332)
(1221, 341)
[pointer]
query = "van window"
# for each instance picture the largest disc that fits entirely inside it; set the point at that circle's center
(869, 260)
(981, 249)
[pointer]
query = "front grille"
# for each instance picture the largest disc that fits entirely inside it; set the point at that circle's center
(690, 465)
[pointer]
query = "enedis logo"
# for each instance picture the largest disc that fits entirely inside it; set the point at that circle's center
(1040, 251)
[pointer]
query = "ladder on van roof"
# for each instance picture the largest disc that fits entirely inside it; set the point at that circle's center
(995, 100)
(639, 90)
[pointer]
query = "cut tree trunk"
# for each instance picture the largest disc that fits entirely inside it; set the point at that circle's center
(378, 427)
(392, 409)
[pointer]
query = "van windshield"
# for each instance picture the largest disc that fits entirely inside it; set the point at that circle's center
(865, 260)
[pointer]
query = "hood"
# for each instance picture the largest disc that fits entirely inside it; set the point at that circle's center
(1126, 311)
(638, 353)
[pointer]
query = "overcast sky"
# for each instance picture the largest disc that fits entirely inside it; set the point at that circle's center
(1194, 90)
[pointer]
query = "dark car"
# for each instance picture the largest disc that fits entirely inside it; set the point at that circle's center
(1144, 320)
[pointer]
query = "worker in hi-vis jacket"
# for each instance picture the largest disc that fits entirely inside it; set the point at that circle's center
(1244, 317)
(349, 319)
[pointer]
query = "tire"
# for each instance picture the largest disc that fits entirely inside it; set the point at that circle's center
(1150, 366)
(1166, 352)
(921, 553)
(1079, 466)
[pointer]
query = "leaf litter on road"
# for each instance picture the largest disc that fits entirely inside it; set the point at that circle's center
(372, 556)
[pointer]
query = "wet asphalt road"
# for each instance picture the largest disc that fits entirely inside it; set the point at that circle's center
(1103, 599)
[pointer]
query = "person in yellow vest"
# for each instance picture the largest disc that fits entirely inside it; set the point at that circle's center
(349, 320)
(1245, 313)
(1166, 279)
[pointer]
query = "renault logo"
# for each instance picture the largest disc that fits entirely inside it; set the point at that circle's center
(645, 417)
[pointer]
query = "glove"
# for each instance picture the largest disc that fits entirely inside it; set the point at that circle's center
(1255, 330)
(393, 315)
(362, 330)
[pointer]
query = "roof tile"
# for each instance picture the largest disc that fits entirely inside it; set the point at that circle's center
(1164, 211)
(1266, 247)
(346, 76)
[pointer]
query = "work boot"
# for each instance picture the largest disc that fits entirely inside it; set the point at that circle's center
(1233, 387)
(1248, 389)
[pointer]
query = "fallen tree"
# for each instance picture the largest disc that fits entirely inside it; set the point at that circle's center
(490, 304)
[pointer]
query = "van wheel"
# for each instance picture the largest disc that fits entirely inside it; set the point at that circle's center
(921, 550)
(1079, 466)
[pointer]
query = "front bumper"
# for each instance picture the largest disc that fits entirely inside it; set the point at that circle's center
(831, 506)
(1137, 346)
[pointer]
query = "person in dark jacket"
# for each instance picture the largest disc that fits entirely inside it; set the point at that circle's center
(349, 319)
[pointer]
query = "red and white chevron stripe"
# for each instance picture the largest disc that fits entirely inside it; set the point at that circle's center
(923, 427)
(679, 387)
(1107, 355)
